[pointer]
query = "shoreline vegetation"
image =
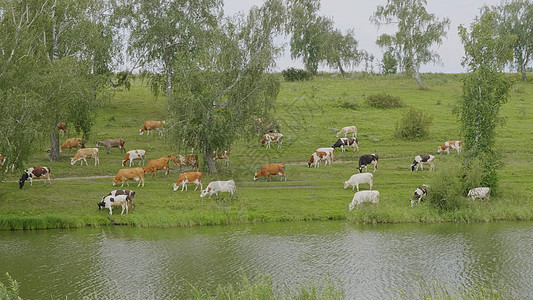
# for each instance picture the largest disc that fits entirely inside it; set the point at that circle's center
(309, 114)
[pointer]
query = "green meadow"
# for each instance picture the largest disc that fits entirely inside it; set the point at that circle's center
(310, 113)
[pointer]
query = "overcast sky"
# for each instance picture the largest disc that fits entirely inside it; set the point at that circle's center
(355, 14)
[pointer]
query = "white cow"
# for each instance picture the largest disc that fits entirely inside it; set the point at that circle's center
(134, 154)
(346, 130)
(215, 187)
(420, 192)
(357, 179)
(110, 201)
(364, 196)
(479, 193)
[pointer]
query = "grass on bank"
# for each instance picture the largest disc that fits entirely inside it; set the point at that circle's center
(310, 113)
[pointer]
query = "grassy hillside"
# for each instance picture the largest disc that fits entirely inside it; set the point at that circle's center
(310, 113)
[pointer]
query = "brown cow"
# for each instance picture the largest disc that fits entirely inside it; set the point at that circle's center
(72, 143)
(189, 177)
(157, 164)
(222, 155)
(271, 169)
(149, 125)
(136, 174)
(62, 127)
(110, 143)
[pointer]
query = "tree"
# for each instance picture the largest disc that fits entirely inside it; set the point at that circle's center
(485, 89)
(516, 17)
(340, 50)
(417, 32)
(223, 86)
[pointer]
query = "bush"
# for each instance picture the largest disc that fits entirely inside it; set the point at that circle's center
(384, 101)
(292, 74)
(445, 191)
(414, 124)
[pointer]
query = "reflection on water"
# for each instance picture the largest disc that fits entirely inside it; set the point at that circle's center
(374, 261)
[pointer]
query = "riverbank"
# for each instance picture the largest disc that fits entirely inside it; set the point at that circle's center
(309, 113)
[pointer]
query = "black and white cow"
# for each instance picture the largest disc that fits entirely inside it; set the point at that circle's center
(420, 160)
(35, 172)
(368, 159)
(118, 198)
(420, 192)
(345, 142)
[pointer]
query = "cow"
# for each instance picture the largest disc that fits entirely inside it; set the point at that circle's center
(72, 143)
(110, 143)
(136, 174)
(188, 160)
(222, 155)
(357, 179)
(157, 164)
(62, 127)
(345, 142)
(36, 172)
(454, 145)
(215, 187)
(132, 155)
(319, 156)
(271, 169)
(328, 149)
(149, 125)
(83, 154)
(368, 159)
(346, 130)
(420, 160)
(274, 137)
(364, 196)
(189, 177)
(110, 201)
(118, 193)
(479, 193)
(420, 192)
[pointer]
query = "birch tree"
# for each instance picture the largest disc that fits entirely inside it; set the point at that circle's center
(418, 32)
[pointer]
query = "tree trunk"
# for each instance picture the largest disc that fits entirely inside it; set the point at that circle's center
(54, 145)
(341, 69)
(524, 77)
(418, 79)
(208, 157)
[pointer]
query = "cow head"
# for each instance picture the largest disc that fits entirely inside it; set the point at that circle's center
(175, 187)
(413, 165)
(346, 184)
(205, 192)
(256, 176)
(114, 182)
(22, 179)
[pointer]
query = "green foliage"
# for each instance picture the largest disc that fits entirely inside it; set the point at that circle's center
(292, 74)
(384, 100)
(418, 31)
(389, 63)
(414, 124)
(485, 89)
(445, 189)
(11, 291)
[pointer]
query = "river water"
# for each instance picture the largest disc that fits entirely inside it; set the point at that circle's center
(367, 261)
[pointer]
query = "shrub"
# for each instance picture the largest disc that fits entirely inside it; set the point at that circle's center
(292, 74)
(349, 104)
(414, 124)
(384, 101)
(445, 191)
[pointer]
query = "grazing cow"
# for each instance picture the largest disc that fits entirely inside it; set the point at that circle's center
(274, 137)
(479, 193)
(149, 125)
(346, 130)
(189, 177)
(364, 196)
(319, 156)
(136, 174)
(111, 199)
(188, 160)
(420, 192)
(72, 143)
(420, 160)
(357, 179)
(132, 155)
(110, 143)
(62, 127)
(454, 145)
(83, 154)
(222, 155)
(36, 172)
(345, 142)
(368, 159)
(271, 169)
(215, 187)
(157, 164)
(328, 149)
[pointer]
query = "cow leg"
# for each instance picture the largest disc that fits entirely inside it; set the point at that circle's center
(31, 181)
(110, 209)
(122, 210)
(357, 185)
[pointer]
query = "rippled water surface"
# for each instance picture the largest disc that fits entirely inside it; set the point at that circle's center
(368, 261)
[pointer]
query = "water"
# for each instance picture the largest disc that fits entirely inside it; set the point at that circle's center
(368, 261)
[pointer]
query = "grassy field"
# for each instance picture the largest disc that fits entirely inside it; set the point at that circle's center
(310, 113)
